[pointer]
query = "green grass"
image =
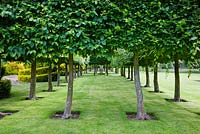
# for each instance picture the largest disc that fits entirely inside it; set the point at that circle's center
(103, 102)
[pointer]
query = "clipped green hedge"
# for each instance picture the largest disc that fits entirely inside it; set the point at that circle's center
(39, 78)
(5, 88)
(12, 68)
(41, 70)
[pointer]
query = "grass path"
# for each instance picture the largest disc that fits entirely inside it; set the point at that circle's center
(102, 102)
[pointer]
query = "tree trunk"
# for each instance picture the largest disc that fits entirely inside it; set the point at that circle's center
(33, 81)
(124, 72)
(90, 69)
(58, 75)
(116, 70)
(141, 115)
(155, 81)
(0, 70)
(74, 71)
(106, 69)
(81, 71)
(177, 80)
(66, 72)
(78, 72)
(131, 72)
(50, 87)
(86, 69)
(68, 106)
(147, 76)
(94, 70)
(111, 69)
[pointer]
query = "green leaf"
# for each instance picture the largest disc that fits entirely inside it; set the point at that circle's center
(104, 42)
(193, 38)
(79, 33)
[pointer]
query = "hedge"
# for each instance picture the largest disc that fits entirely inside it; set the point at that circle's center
(12, 68)
(39, 78)
(41, 75)
(41, 70)
(5, 88)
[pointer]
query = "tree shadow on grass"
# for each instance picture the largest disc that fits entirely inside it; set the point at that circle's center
(36, 98)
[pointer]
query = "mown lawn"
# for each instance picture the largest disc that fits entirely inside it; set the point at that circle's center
(103, 102)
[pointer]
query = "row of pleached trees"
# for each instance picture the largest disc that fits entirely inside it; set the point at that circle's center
(157, 30)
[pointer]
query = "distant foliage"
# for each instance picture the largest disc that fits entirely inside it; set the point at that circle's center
(5, 88)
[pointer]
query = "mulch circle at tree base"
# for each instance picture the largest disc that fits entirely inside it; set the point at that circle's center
(36, 98)
(155, 92)
(6, 113)
(48, 91)
(58, 115)
(132, 116)
(172, 100)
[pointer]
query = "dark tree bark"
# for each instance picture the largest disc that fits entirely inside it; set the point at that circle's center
(32, 93)
(147, 76)
(50, 87)
(131, 72)
(66, 72)
(86, 68)
(58, 75)
(141, 115)
(0, 69)
(106, 69)
(90, 69)
(78, 72)
(177, 80)
(124, 73)
(74, 72)
(155, 80)
(94, 70)
(68, 106)
(111, 69)
(81, 71)
(116, 70)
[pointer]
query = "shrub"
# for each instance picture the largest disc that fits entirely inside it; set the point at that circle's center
(5, 88)
(12, 68)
